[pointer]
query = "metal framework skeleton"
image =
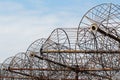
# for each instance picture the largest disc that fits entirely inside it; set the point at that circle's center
(89, 52)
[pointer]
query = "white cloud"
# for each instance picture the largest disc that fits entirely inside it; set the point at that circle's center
(20, 29)
(17, 32)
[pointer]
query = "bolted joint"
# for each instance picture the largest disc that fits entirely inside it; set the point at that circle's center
(32, 55)
(94, 27)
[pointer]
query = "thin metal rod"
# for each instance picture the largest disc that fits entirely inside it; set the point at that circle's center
(9, 69)
(15, 77)
(95, 27)
(66, 66)
(109, 35)
(78, 69)
(44, 58)
(83, 51)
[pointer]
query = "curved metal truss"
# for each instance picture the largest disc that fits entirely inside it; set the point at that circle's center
(5, 74)
(101, 36)
(89, 52)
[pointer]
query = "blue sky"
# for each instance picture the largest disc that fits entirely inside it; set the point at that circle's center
(24, 21)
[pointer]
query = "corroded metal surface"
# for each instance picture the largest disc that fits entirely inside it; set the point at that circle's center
(89, 52)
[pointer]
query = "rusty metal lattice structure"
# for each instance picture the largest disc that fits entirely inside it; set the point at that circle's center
(89, 52)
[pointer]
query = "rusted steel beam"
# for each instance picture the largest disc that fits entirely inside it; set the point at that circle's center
(28, 75)
(79, 69)
(83, 51)
(108, 34)
(15, 77)
(96, 28)
(94, 74)
(40, 69)
(34, 79)
(69, 67)
(60, 64)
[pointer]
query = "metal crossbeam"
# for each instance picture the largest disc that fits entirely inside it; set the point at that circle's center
(82, 51)
(79, 69)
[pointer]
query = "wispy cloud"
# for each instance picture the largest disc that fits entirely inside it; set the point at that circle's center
(18, 30)
(23, 21)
